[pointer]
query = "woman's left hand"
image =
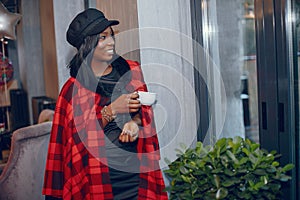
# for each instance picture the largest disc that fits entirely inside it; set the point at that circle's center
(130, 132)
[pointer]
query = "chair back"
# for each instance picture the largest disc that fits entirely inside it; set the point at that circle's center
(23, 174)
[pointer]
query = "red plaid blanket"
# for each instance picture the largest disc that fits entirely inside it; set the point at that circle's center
(76, 163)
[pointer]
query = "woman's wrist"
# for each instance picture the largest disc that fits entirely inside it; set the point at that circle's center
(107, 113)
(134, 122)
(113, 108)
(137, 119)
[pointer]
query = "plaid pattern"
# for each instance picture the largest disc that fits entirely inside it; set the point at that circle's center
(76, 165)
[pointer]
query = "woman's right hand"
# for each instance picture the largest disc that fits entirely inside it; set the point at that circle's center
(126, 103)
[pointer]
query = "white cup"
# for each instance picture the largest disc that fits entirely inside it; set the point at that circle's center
(147, 98)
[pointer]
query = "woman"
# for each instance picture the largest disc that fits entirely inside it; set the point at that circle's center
(103, 143)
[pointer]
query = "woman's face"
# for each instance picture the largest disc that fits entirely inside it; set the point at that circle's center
(104, 50)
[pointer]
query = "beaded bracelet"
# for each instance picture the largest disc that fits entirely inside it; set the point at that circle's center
(107, 115)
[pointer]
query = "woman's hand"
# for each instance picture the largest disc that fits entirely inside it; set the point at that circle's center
(130, 132)
(126, 103)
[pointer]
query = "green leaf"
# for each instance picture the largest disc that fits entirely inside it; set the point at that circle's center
(194, 188)
(244, 195)
(238, 139)
(216, 181)
(229, 172)
(285, 178)
(246, 151)
(217, 171)
(221, 193)
(183, 170)
(258, 185)
(228, 183)
(288, 167)
(254, 146)
(260, 172)
(243, 160)
(274, 187)
(232, 156)
(179, 152)
(242, 171)
(275, 164)
(192, 166)
(273, 152)
(185, 179)
(264, 179)
(271, 169)
(253, 159)
(221, 143)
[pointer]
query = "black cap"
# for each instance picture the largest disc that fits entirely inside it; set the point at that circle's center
(89, 22)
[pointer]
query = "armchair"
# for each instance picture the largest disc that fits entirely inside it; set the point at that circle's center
(23, 174)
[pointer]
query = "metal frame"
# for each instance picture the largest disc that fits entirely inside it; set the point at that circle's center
(294, 81)
(275, 85)
(201, 90)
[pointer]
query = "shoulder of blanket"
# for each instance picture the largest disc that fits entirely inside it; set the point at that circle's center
(69, 88)
(133, 64)
(69, 83)
(137, 78)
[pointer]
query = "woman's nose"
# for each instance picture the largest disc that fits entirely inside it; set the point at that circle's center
(110, 40)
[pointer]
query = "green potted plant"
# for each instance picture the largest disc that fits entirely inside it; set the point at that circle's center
(234, 168)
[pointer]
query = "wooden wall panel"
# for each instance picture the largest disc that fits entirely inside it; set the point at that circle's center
(126, 12)
(49, 48)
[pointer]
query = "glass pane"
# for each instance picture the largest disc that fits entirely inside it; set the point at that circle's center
(250, 105)
(229, 38)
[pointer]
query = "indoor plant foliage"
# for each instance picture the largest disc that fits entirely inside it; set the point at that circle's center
(231, 169)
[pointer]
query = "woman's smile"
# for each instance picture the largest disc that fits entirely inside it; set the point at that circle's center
(110, 51)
